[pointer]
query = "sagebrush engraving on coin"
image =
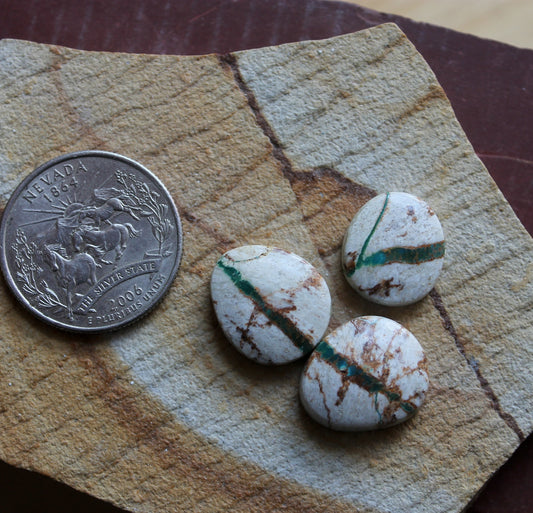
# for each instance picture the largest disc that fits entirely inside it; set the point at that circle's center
(90, 241)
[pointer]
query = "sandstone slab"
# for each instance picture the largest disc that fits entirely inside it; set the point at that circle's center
(276, 146)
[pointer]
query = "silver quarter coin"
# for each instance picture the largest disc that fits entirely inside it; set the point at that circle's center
(90, 241)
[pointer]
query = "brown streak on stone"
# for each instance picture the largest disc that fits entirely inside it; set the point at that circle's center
(212, 476)
(322, 393)
(402, 39)
(223, 241)
(349, 262)
(485, 385)
(245, 333)
(320, 387)
(341, 392)
(318, 191)
(312, 282)
(389, 412)
(229, 62)
(435, 93)
(382, 288)
(85, 131)
(60, 58)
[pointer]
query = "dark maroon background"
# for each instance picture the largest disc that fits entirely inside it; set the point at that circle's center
(489, 85)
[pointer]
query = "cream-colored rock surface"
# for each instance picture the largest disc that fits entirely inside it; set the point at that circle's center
(277, 146)
(272, 305)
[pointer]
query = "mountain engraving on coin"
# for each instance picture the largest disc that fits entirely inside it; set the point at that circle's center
(90, 241)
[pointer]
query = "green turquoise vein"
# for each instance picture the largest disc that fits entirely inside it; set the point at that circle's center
(287, 326)
(362, 378)
(371, 234)
(406, 255)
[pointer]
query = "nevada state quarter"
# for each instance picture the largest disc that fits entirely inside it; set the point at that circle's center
(90, 241)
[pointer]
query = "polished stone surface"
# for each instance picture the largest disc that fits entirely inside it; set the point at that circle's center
(272, 305)
(370, 373)
(393, 250)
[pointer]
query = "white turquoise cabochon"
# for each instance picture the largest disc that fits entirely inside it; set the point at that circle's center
(393, 250)
(272, 305)
(369, 373)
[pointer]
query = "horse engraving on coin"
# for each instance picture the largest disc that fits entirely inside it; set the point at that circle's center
(90, 241)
